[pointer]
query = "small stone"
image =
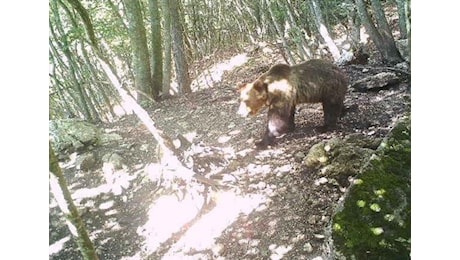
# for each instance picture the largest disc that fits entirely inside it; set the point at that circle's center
(86, 161)
(114, 159)
(308, 248)
(321, 181)
(322, 159)
(311, 220)
(319, 236)
(243, 241)
(298, 156)
(144, 148)
(261, 185)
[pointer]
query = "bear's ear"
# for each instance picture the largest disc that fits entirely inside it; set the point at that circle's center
(240, 86)
(259, 85)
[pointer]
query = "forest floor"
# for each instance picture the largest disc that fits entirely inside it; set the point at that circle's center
(270, 205)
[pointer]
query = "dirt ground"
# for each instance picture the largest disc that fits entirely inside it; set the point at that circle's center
(268, 206)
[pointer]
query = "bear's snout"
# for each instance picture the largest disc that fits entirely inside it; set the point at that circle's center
(244, 110)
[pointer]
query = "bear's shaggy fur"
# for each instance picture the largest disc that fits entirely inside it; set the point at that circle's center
(284, 86)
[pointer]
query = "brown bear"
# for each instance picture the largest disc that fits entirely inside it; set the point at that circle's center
(284, 86)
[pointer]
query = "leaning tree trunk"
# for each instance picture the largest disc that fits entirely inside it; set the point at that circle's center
(180, 59)
(138, 39)
(299, 38)
(322, 29)
(62, 195)
(382, 39)
(279, 30)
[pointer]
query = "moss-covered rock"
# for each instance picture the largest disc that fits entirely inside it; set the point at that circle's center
(70, 135)
(374, 221)
(339, 159)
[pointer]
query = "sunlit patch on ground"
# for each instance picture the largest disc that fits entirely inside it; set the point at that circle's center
(213, 75)
(58, 245)
(166, 216)
(201, 236)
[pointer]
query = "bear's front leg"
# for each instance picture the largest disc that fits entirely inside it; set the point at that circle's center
(267, 140)
(277, 125)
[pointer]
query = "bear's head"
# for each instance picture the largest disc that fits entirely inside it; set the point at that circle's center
(253, 96)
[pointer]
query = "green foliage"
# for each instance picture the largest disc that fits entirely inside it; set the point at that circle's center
(335, 11)
(279, 11)
(375, 220)
(296, 34)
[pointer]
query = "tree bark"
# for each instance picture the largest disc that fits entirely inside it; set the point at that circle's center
(180, 59)
(138, 39)
(401, 4)
(408, 26)
(355, 24)
(157, 55)
(62, 194)
(167, 48)
(72, 110)
(99, 86)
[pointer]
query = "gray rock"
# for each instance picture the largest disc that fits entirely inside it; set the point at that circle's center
(109, 138)
(308, 247)
(73, 135)
(377, 81)
(299, 156)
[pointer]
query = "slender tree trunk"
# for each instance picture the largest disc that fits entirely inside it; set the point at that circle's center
(73, 112)
(401, 4)
(116, 12)
(408, 25)
(279, 30)
(355, 24)
(299, 37)
(322, 29)
(62, 97)
(100, 87)
(138, 39)
(157, 55)
(63, 197)
(180, 58)
(167, 48)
